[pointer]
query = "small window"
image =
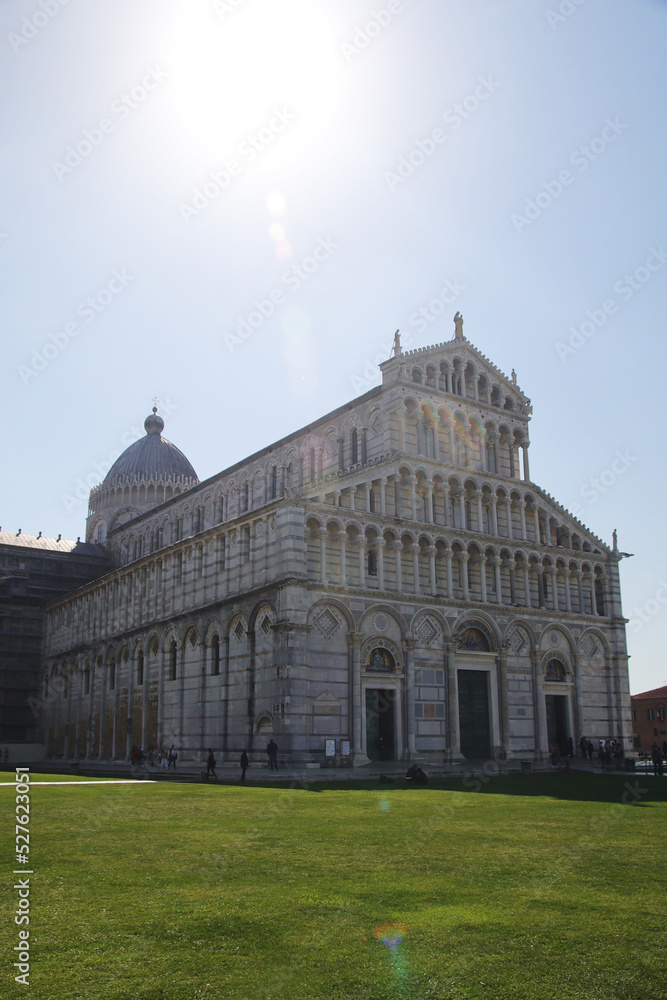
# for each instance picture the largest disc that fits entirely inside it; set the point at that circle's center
(140, 668)
(372, 564)
(86, 681)
(112, 676)
(215, 656)
(172, 661)
(649, 714)
(661, 714)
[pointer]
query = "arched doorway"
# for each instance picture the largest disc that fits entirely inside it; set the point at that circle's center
(474, 696)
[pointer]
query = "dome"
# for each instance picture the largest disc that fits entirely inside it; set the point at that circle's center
(151, 457)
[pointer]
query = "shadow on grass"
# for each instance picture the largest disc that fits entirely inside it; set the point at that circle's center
(638, 789)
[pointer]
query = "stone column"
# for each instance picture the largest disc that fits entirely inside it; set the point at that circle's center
(522, 513)
(464, 575)
(343, 568)
(398, 546)
(429, 503)
(353, 491)
(431, 568)
(508, 513)
(144, 699)
(413, 497)
(504, 717)
(496, 572)
(480, 513)
(580, 591)
(462, 511)
(554, 587)
(380, 550)
(67, 714)
(450, 580)
(594, 605)
(526, 584)
(91, 706)
(415, 566)
(577, 703)
(482, 576)
(539, 709)
(568, 597)
(367, 489)
(354, 643)
(131, 666)
(526, 467)
(536, 516)
(494, 514)
(323, 555)
(383, 497)
(410, 697)
(453, 751)
(103, 708)
(512, 572)
(362, 561)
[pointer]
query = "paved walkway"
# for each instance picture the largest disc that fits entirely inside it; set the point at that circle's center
(188, 771)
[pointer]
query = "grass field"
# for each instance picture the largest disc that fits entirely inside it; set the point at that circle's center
(526, 887)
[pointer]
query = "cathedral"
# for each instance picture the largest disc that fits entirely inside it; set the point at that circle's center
(386, 583)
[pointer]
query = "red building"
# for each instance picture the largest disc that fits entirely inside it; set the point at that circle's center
(648, 718)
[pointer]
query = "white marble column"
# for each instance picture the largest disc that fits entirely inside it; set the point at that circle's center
(398, 546)
(431, 567)
(453, 751)
(380, 553)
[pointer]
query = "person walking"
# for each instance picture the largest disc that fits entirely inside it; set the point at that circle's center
(272, 750)
(173, 757)
(244, 764)
(210, 765)
(656, 757)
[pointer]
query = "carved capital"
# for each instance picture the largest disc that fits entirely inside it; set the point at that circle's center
(355, 640)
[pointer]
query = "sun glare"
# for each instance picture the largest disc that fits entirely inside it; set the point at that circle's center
(230, 72)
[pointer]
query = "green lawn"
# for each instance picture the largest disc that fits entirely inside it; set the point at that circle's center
(534, 888)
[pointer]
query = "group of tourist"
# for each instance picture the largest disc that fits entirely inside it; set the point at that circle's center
(154, 758)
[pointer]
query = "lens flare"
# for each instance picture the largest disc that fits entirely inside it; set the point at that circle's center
(392, 937)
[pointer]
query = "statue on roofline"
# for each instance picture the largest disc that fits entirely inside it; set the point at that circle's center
(458, 326)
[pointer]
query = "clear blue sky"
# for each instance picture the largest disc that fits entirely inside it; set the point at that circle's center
(531, 142)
